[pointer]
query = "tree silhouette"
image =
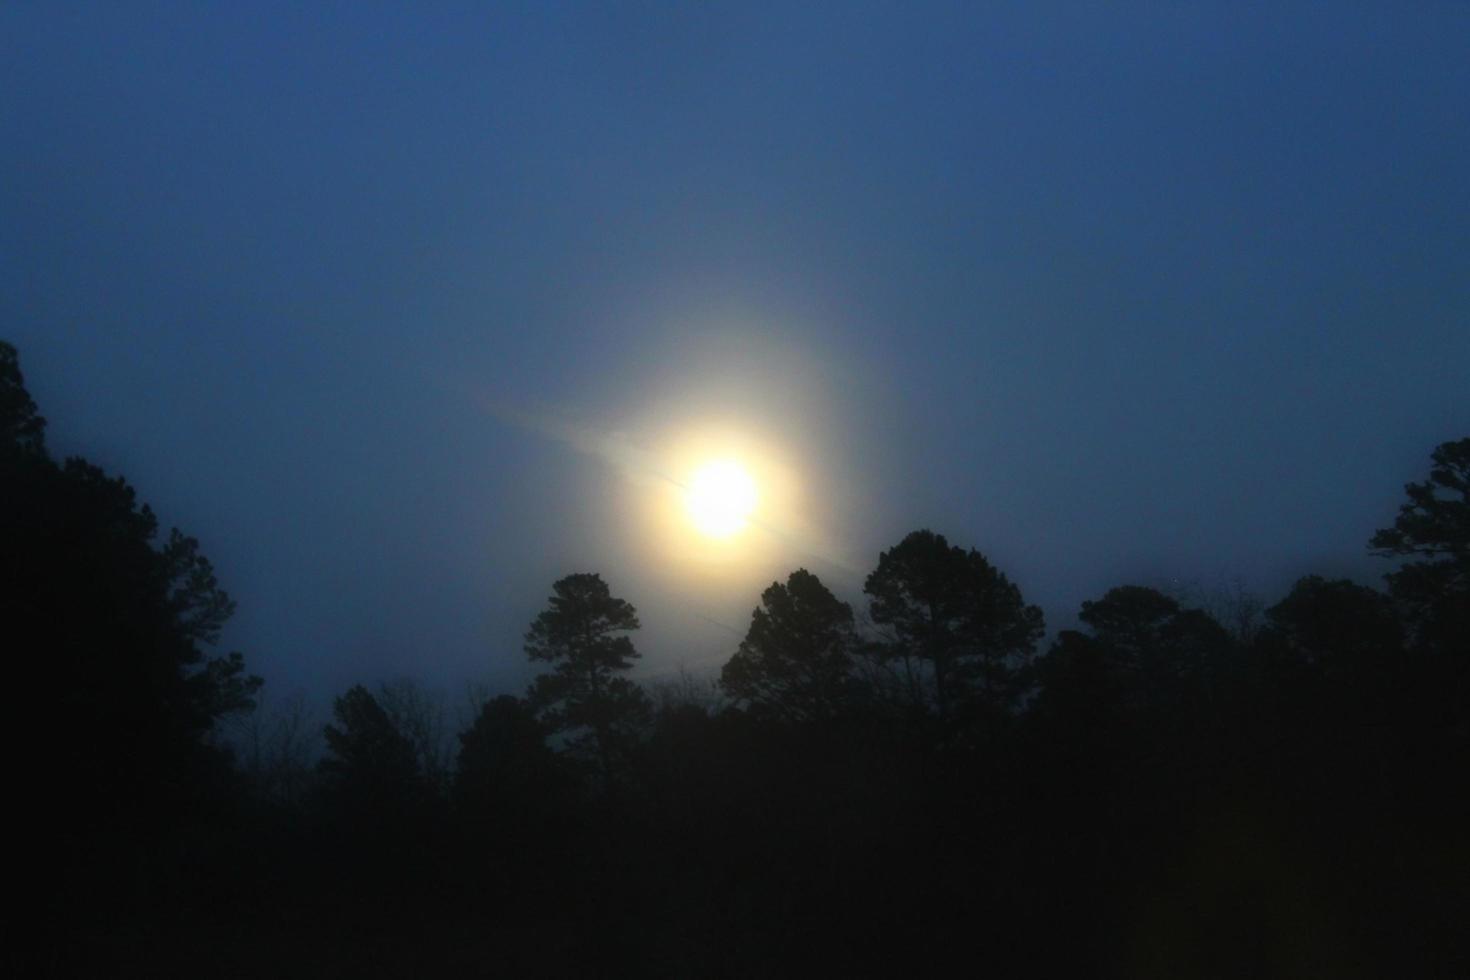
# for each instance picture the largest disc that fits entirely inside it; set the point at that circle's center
(795, 662)
(1155, 648)
(1142, 660)
(508, 777)
(371, 765)
(108, 632)
(276, 745)
(1433, 530)
(21, 427)
(113, 621)
(583, 637)
(1335, 626)
(420, 717)
(951, 612)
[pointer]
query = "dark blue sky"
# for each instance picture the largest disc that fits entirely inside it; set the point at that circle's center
(1152, 293)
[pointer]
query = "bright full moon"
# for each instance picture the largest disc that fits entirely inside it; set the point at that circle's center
(720, 498)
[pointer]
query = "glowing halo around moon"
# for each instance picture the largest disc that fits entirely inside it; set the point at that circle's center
(713, 500)
(720, 498)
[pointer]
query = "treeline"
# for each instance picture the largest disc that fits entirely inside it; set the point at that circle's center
(916, 785)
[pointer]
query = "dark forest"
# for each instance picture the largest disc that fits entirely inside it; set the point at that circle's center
(1176, 789)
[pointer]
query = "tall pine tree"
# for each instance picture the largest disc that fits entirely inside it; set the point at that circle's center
(584, 699)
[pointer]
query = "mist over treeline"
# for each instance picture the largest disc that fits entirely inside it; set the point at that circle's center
(1205, 785)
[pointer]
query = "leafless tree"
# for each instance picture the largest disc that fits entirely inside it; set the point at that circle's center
(1228, 603)
(684, 688)
(277, 746)
(421, 717)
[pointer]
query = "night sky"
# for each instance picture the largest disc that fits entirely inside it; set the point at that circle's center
(406, 315)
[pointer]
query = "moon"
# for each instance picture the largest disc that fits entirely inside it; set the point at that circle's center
(720, 498)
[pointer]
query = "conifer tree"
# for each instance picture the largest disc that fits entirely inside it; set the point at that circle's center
(584, 699)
